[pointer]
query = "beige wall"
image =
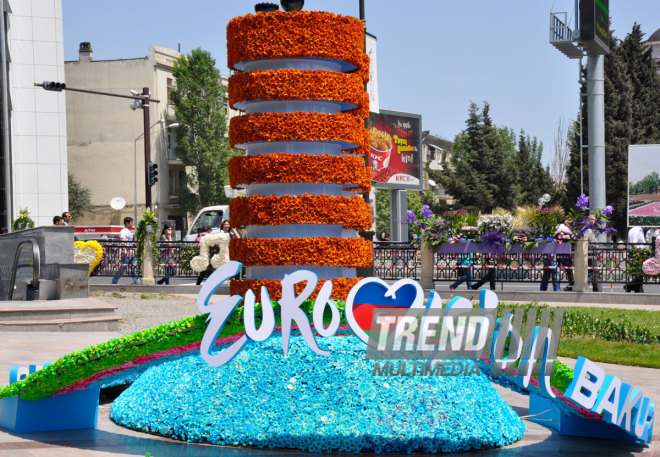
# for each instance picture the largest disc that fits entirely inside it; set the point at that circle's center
(102, 130)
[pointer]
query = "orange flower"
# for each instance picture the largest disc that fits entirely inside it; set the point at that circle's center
(351, 212)
(340, 287)
(290, 168)
(297, 126)
(299, 85)
(322, 251)
(301, 34)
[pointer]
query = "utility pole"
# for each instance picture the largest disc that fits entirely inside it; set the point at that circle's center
(147, 146)
(144, 98)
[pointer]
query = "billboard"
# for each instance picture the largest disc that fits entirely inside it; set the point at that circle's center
(396, 150)
(644, 185)
(372, 86)
(594, 26)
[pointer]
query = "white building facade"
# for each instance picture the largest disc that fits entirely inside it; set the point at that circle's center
(34, 144)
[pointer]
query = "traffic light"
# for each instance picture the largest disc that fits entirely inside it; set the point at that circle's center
(153, 173)
(54, 86)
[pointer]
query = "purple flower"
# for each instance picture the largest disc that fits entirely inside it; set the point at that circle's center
(426, 212)
(412, 217)
(608, 210)
(582, 202)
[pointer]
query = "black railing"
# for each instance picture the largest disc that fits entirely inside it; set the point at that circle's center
(394, 260)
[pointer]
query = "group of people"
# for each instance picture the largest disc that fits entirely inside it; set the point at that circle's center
(167, 254)
(64, 219)
(553, 262)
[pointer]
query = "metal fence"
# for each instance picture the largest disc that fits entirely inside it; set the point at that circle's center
(171, 253)
(394, 260)
(398, 260)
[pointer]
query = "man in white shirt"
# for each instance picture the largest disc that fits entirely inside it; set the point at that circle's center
(636, 236)
(127, 252)
(651, 233)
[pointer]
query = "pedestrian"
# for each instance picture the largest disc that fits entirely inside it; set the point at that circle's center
(464, 270)
(563, 234)
(636, 239)
(550, 271)
(205, 230)
(167, 254)
(489, 273)
(227, 228)
(66, 218)
(128, 259)
(651, 233)
(57, 220)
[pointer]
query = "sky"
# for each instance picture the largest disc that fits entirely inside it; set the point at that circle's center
(434, 56)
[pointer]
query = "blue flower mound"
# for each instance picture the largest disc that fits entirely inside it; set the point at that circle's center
(315, 403)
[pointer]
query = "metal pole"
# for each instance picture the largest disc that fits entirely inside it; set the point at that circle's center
(147, 146)
(362, 10)
(581, 119)
(596, 125)
(6, 146)
(135, 204)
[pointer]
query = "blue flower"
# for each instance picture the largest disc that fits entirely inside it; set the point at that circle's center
(426, 212)
(582, 202)
(412, 217)
(608, 210)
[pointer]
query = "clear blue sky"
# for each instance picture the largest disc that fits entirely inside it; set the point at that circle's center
(434, 56)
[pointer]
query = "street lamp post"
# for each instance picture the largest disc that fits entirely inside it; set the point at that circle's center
(141, 101)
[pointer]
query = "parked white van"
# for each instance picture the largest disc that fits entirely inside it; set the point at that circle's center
(211, 216)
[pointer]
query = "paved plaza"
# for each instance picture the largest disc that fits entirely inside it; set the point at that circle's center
(22, 348)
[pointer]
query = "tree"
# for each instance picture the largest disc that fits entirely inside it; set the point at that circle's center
(201, 142)
(632, 98)
(486, 171)
(80, 198)
(382, 210)
(560, 157)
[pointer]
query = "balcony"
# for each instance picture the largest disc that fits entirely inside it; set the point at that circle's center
(561, 36)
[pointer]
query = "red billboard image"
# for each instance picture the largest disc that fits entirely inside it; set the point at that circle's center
(396, 149)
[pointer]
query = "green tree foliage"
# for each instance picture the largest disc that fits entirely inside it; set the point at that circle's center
(632, 98)
(201, 144)
(647, 185)
(80, 198)
(382, 210)
(486, 171)
(533, 179)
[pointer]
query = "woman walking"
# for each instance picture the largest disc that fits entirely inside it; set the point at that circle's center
(167, 254)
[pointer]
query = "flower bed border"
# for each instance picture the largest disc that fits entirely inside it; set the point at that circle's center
(297, 126)
(340, 287)
(310, 85)
(351, 212)
(297, 34)
(325, 168)
(320, 251)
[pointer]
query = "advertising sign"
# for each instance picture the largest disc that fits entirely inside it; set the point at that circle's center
(396, 150)
(372, 85)
(644, 185)
(594, 26)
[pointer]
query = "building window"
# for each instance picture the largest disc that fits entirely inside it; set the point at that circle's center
(171, 141)
(170, 88)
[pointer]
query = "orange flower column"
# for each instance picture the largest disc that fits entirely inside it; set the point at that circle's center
(300, 82)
